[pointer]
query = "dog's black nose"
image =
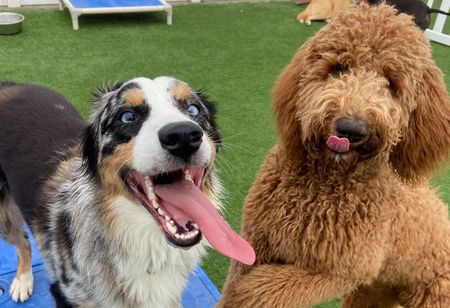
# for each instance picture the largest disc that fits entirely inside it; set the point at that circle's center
(181, 139)
(351, 128)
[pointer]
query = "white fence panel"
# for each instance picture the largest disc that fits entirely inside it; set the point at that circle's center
(436, 34)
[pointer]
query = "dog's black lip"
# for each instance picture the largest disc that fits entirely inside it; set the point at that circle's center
(354, 140)
(182, 243)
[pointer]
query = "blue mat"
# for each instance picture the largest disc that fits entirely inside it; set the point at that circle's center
(88, 4)
(200, 292)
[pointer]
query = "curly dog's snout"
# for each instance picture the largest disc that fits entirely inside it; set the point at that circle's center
(353, 129)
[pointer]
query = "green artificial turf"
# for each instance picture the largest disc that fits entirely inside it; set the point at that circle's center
(233, 51)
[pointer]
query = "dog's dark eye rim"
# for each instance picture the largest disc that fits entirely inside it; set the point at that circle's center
(193, 110)
(339, 68)
(127, 117)
(392, 85)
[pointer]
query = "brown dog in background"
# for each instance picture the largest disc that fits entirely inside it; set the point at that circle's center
(325, 9)
(322, 9)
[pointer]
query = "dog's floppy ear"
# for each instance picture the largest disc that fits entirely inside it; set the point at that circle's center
(91, 147)
(425, 143)
(285, 100)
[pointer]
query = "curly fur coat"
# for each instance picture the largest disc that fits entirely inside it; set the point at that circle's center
(361, 221)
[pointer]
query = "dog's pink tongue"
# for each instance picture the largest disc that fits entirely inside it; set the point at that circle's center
(184, 196)
(340, 145)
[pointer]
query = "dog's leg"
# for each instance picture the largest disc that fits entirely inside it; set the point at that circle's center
(273, 285)
(22, 285)
(373, 296)
(11, 222)
(303, 17)
(316, 10)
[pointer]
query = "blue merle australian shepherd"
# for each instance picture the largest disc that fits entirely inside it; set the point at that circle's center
(123, 207)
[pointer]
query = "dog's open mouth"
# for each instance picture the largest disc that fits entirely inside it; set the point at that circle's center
(178, 227)
(176, 202)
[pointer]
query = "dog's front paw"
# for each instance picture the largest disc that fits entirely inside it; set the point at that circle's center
(304, 21)
(22, 287)
(301, 17)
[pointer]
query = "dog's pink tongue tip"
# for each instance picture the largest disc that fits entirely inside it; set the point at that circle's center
(235, 247)
(340, 145)
(186, 197)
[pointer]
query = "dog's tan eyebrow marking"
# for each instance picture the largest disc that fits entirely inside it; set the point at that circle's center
(133, 97)
(181, 91)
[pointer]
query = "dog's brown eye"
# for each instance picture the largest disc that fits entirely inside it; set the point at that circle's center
(338, 68)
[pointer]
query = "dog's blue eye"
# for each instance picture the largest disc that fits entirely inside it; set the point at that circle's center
(127, 117)
(193, 110)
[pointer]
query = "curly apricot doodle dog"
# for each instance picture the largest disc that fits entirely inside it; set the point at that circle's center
(342, 206)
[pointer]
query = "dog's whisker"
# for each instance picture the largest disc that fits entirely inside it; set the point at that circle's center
(227, 166)
(237, 148)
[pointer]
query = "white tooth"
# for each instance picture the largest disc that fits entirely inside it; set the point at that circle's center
(161, 212)
(187, 175)
(171, 228)
(149, 188)
(148, 184)
(195, 226)
(151, 196)
(172, 222)
(177, 235)
(183, 236)
(155, 204)
(167, 218)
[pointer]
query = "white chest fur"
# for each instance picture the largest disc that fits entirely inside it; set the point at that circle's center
(152, 271)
